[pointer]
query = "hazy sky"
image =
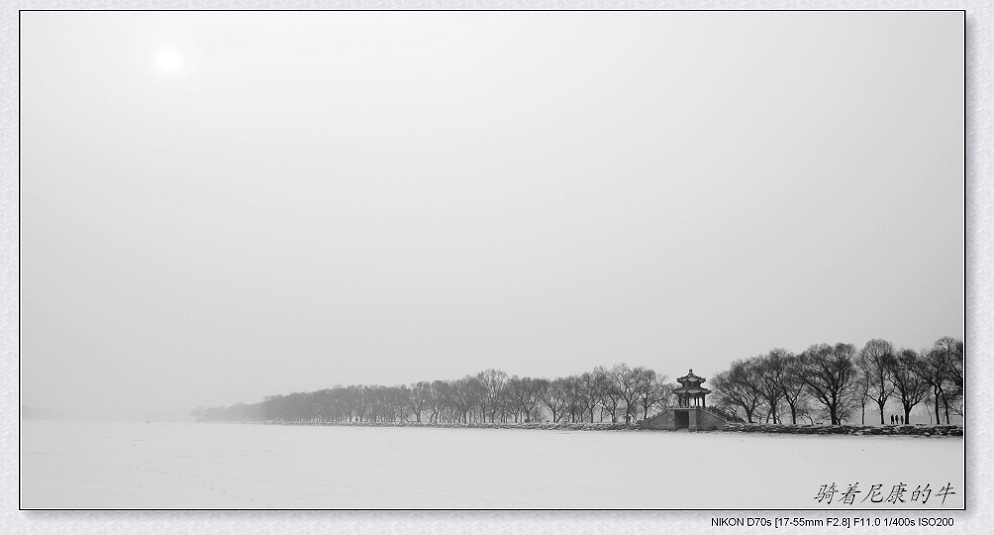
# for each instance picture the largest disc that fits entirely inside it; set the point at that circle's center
(219, 206)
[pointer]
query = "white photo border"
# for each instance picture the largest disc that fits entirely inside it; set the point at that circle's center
(979, 323)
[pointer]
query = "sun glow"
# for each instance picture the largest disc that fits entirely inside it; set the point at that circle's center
(168, 61)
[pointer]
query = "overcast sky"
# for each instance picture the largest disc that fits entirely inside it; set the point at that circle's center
(220, 206)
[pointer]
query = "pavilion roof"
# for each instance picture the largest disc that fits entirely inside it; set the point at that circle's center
(691, 378)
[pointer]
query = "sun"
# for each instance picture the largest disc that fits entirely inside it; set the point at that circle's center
(169, 61)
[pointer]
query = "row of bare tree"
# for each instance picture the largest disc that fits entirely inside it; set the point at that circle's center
(836, 381)
(616, 394)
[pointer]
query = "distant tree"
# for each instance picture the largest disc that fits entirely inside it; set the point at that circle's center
(795, 395)
(524, 395)
(416, 398)
(377, 399)
(951, 351)
(574, 405)
(590, 392)
(419, 398)
(771, 374)
(326, 404)
(954, 398)
(437, 399)
(908, 382)
(875, 362)
(626, 381)
(937, 366)
(465, 396)
(829, 373)
(298, 406)
(737, 387)
(653, 391)
(535, 391)
(554, 398)
(512, 394)
(364, 402)
(493, 383)
(607, 392)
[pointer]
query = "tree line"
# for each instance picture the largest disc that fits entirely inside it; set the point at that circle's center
(611, 395)
(824, 382)
(836, 381)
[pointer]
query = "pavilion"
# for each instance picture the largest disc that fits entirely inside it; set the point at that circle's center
(690, 393)
(691, 411)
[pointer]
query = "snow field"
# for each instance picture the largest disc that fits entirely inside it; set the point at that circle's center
(195, 466)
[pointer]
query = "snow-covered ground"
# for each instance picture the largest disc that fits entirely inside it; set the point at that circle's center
(186, 465)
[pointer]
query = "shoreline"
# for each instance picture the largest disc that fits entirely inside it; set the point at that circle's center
(852, 430)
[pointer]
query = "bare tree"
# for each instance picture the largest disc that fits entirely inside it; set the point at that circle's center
(554, 397)
(653, 391)
(951, 350)
(608, 393)
(938, 368)
(737, 387)
(493, 383)
(792, 385)
(587, 384)
(438, 392)
(361, 402)
(626, 382)
(875, 361)
(574, 398)
(908, 381)
(465, 396)
(770, 375)
(829, 372)
(954, 398)
(523, 394)
(419, 397)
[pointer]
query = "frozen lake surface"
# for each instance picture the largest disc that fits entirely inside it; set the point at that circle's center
(193, 466)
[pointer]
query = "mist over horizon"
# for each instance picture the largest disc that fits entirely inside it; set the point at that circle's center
(112, 412)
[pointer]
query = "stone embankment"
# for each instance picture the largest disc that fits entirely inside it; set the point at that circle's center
(858, 430)
(557, 426)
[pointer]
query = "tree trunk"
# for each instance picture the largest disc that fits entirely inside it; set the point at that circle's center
(937, 395)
